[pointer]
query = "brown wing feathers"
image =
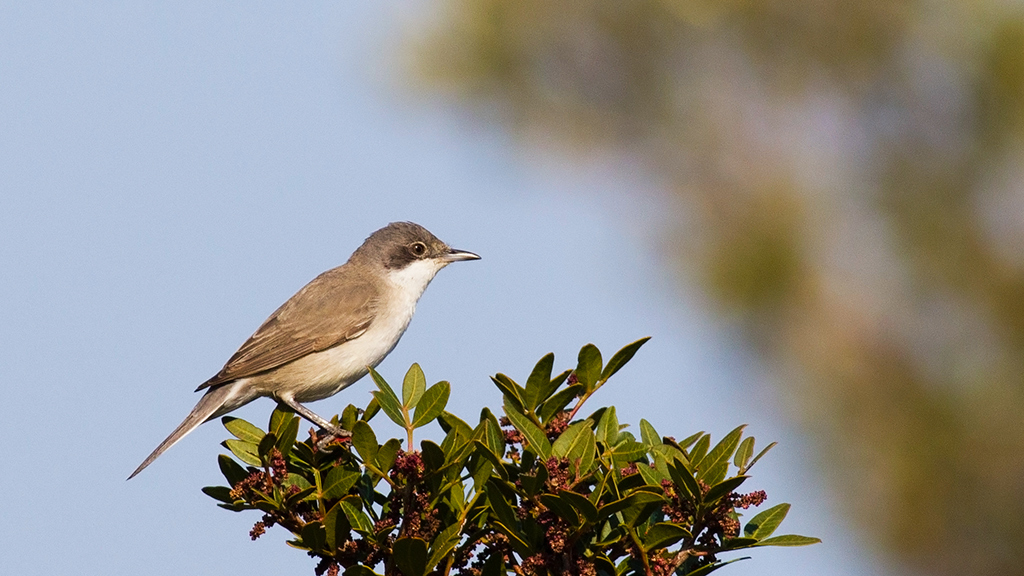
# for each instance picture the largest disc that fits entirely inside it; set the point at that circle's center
(333, 315)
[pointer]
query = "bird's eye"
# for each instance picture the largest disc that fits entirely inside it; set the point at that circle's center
(419, 248)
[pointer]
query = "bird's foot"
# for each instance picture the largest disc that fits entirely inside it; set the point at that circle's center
(330, 435)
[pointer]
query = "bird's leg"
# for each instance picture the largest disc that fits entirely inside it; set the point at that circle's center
(333, 431)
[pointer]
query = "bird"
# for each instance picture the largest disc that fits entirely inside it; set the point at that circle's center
(330, 333)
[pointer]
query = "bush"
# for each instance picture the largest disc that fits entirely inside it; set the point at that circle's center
(537, 491)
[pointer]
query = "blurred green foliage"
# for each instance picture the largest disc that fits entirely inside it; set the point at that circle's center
(538, 492)
(850, 179)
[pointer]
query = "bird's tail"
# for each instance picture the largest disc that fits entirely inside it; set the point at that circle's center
(216, 402)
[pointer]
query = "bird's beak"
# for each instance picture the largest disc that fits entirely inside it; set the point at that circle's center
(454, 255)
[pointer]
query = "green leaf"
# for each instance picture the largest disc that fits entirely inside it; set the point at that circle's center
(501, 508)
(604, 565)
(627, 452)
(356, 518)
(279, 419)
(265, 446)
(494, 438)
(640, 499)
(536, 439)
(716, 473)
(410, 555)
(359, 570)
(560, 379)
(619, 359)
(286, 436)
(538, 384)
(457, 495)
(480, 432)
(349, 416)
(626, 436)
(297, 480)
(651, 476)
(709, 568)
(494, 566)
(449, 421)
(364, 486)
(608, 428)
(596, 415)
(661, 464)
(454, 443)
(553, 385)
(433, 455)
(670, 453)
(338, 483)
(231, 470)
(242, 430)
(614, 507)
(337, 527)
(738, 543)
(533, 483)
(510, 390)
(393, 410)
(721, 452)
(761, 453)
(387, 399)
(718, 491)
(245, 451)
(516, 539)
(645, 495)
(234, 507)
(700, 450)
(365, 441)
(461, 452)
(371, 410)
(572, 438)
(496, 464)
(643, 504)
(685, 444)
(585, 453)
(766, 522)
(789, 540)
(562, 508)
(578, 445)
(303, 454)
(532, 533)
(664, 534)
(294, 498)
(413, 386)
(588, 368)
(431, 403)
(314, 536)
(387, 454)
(684, 481)
(743, 453)
(580, 503)
(559, 401)
(444, 543)
(219, 493)
(649, 434)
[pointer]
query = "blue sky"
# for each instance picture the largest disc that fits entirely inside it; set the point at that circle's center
(171, 174)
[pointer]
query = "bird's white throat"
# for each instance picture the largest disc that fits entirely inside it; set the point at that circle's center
(414, 278)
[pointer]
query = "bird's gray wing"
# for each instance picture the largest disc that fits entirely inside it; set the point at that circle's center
(325, 313)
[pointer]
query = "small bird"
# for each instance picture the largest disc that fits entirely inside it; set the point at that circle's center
(330, 332)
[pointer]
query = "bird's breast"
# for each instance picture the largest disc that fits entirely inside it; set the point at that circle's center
(322, 374)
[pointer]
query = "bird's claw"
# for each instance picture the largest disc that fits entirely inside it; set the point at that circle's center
(330, 436)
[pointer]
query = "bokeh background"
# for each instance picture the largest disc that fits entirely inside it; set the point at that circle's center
(816, 209)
